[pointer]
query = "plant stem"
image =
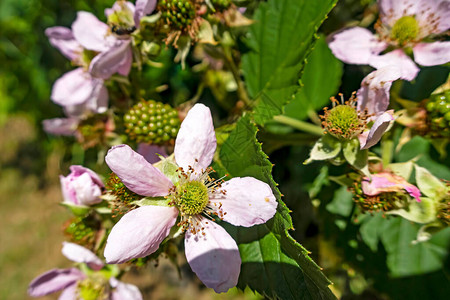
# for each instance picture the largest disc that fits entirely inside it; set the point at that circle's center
(300, 125)
(242, 92)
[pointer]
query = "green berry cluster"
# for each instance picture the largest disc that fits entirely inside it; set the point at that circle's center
(81, 230)
(221, 5)
(438, 117)
(152, 122)
(118, 189)
(383, 202)
(177, 13)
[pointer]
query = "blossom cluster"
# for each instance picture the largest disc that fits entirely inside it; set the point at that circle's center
(167, 190)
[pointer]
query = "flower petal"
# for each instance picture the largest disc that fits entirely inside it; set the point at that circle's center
(78, 170)
(196, 141)
(214, 257)
(392, 10)
(378, 129)
(124, 291)
(150, 152)
(399, 59)
(387, 182)
(432, 54)
(80, 254)
(143, 7)
(62, 39)
(373, 95)
(90, 32)
(69, 293)
(139, 233)
(248, 201)
(74, 88)
(61, 126)
(433, 16)
(114, 59)
(53, 281)
(136, 173)
(355, 45)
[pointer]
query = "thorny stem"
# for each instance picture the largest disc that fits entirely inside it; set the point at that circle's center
(300, 125)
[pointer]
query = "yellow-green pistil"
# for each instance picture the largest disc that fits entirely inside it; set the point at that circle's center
(93, 288)
(192, 197)
(405, 30)
(342, 121)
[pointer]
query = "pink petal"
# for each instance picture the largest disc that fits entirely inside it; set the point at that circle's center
(62, 39)
(374, 92)
(432, 54)
(355, 45)
(53, 281)
(126, 63)
(117, 7)
(74, 88)
(97, 103)
(248, 201)
(196, 141)
(392, 10)
(433, 16)
(80, 254)
(387, 182)
(399, 59)
(116, 58)
(136, 173)
(90, 32)
(124, 291)
(378, 129)
(78, 170)
(69, 293)
(149, 152)
(61, 126)
(139, 233)
(214, 257)
(143, 8)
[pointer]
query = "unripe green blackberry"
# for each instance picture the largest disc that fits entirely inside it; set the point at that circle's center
(81, 230)
(177, 13)
(116, 187)
(221, 5)
(438, 114)
(152, 122)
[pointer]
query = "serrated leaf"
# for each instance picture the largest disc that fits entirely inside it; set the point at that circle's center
(321, 79)
(273, 264)
(281, 38)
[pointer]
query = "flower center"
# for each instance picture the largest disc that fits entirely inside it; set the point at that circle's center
(193, 197)
(93, 288)
(405, 30)
(343, 120)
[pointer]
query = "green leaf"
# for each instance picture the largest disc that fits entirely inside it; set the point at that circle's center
(327, 147)
(404, 256)
(273, 264)
(321, 78)
(281, 38)
(342, 203)
(430, 185)
(420, 212)
(356, 157)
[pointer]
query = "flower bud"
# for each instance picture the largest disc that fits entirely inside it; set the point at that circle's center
(81, 187)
